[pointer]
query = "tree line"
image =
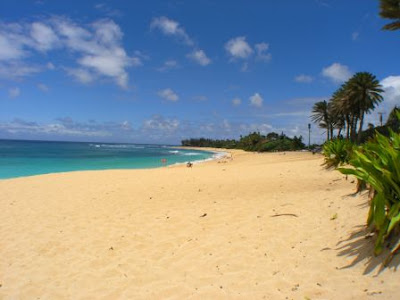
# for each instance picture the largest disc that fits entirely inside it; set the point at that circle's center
(254, 141)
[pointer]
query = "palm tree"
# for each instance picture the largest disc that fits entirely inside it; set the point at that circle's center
(392, 121)
(342, 110)
(390, 9)
(320, 115)
(333, 118)
(365, 93)
(338, 119)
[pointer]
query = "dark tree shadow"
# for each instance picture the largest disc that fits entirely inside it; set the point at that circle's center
(360, 245)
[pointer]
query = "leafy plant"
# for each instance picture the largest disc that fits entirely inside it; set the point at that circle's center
(378, 164)
(337, 152)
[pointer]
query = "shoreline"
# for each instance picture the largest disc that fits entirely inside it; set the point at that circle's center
(217, 155)
(257, 226)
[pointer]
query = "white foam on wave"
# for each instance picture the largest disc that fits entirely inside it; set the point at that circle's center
(191, 153)
(219, 155)
(185, 153)
(117, 146)
(216, 156)
(174, 151)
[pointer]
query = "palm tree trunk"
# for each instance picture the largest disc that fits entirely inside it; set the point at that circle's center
(360, 127)
(354, 128)
(351, 125)
(347, 127)
(327, 132)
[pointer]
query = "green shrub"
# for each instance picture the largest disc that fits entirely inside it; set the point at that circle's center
(378, 164)
(337, 152)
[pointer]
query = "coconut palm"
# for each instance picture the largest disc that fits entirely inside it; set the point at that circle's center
(320, 115)
(390, 9)
(338, 119)
(365, 94)
(342, 110)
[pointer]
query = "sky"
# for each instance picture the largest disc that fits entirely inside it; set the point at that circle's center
(162, 71)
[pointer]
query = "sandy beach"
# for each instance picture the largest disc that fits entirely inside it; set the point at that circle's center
(258, 226)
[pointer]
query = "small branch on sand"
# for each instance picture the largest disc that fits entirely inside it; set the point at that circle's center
(279, 215)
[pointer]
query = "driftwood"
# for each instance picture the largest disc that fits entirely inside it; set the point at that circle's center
(279, 215)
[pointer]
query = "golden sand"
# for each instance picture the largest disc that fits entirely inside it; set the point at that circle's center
(260, 226)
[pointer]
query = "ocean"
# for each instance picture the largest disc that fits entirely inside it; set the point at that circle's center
(25, 158)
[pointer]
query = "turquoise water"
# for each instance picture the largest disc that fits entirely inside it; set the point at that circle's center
(25, 158)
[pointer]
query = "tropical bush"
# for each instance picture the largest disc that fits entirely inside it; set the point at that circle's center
(337, 152)
(378, 164)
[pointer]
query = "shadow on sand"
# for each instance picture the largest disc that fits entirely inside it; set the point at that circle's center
(360, 245)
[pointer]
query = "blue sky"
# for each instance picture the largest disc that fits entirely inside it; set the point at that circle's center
(160, 71)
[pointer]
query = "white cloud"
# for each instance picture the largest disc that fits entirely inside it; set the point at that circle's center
(44, 37)
(43, 87)
(16, 69)
(293, 114)
(391, 98)
(304, 102)
(50, 66)
(238, 48)
(245, 67)
(14, 92)
(355, 35)
(263, 128)
(157, 128)
(81, 75)
(200, 57)
(108, 11)
(337, 72)
(200, 98)
(96, 47)
(110, 64)
(99, 5)
(226, 125)
(168, 94)
(236, 101)
(8, 50)
(171, 28)
(126, 125)
(159, 123)
(12, 42)
(262, 52)
(391, 85)
(256, 100)
(100, 49)
(168, 65)
(302, 78)
(63, 127)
